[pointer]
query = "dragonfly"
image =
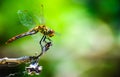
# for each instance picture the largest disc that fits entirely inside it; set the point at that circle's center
(27, 20)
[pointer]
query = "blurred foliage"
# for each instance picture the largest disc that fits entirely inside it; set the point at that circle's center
(87, 40)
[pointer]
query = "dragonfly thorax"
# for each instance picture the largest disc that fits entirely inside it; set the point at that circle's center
(45, 30)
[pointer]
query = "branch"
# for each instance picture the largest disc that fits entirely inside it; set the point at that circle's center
(34, 67)
(24, 59)
(20, 60)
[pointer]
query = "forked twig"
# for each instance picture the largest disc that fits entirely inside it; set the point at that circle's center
(26, 59)
(33, 68)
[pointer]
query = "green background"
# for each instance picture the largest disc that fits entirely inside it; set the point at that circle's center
(86, 42)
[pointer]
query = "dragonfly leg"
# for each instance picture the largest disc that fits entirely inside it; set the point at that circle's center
(46, 46)
(49, 39)
(41, 42)
(44, 39)
(42, 50)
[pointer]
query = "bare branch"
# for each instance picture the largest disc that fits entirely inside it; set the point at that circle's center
(20, 60)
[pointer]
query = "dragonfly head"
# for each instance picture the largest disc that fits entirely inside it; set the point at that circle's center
(51, 33)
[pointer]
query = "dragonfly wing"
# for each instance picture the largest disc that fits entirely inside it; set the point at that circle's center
(41, 20)
(26, 19)
(40, 17)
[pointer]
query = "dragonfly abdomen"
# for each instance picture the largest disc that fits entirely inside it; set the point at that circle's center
(21, 35)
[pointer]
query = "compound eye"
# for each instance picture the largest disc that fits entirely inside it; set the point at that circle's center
(51, 31)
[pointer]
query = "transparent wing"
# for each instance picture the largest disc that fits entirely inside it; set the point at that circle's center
(26, 19)
(30, 21)
(40, 17)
